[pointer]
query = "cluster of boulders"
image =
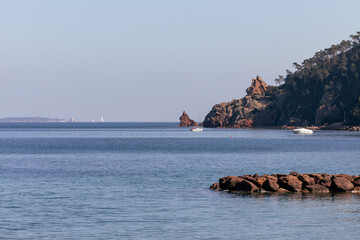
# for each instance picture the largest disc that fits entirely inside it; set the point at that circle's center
(186, 121)
(293, 182)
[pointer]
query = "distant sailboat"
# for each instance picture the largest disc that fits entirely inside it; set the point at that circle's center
(101, 119)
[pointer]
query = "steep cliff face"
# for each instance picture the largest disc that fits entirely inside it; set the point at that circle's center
(255, 109)
(185, 121)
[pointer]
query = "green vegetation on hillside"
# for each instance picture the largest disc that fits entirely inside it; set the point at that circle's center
(324, 88)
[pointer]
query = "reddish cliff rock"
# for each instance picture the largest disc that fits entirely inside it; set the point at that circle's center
(257, 108)
(258, 87)
(185, 121)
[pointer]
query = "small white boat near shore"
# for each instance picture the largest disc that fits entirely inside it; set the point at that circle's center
(196, 129)
(302, 131)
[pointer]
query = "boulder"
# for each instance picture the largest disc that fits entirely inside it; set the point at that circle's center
(271, 185)
(229, 182)
(293, 173)
(256, 179)
(246, 186)
(317, 188)
(322, 178)
(306, 179)
(290, 183)
(350, 178)
(185, 121)
(341, 184)
(215, 187)
(356, 182)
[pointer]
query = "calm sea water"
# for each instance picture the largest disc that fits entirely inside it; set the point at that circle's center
(151, 180)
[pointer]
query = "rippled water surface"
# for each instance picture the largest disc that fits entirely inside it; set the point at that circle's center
(151, 180)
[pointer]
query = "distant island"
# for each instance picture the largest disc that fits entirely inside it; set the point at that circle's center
(31, 119)
(323, 91)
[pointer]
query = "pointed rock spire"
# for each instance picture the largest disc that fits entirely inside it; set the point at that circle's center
(258, 87)
(185, 121)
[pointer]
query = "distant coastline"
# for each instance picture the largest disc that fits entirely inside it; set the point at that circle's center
(31, 119)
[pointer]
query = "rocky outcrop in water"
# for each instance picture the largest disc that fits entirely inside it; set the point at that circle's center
(293, 182)
(257, 108)
(185, 121)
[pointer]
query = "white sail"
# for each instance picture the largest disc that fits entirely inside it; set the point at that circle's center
(101, 119)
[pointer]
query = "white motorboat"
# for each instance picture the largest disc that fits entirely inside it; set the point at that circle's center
(196, 129)
(302, 131)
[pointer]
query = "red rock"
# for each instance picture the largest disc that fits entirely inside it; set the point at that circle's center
(323, 179)
(350, 178)
(258, 181)
(356, 189)
(229, 182)
(354, 177)
(258, 87)
(255, 109)
(279, 175)
(293, 173)
(341, 184)
(215, 187)
(290, 183)
(185, 121)
(321, 183)
(270, 177)
(306, 179)
(224, 182)
(271, 185)
(246, 186)
(317, 188)
(356, 182)
(244, 123)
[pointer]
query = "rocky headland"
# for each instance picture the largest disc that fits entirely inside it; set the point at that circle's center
(323, 91)
(293, 182)
(186, 121)
(263, 107)
(257, 108)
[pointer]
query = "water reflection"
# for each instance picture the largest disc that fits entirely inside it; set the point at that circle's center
(334, 197)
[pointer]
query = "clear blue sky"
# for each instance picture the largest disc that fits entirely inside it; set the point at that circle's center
(150, 60)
